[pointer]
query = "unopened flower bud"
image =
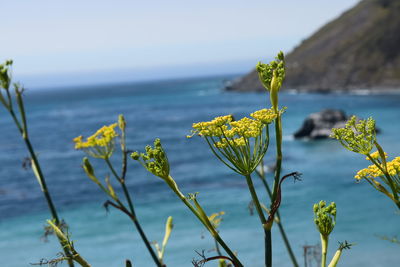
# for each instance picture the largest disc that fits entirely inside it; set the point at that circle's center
(121, 122)
(280, 56)
(325, 217)
(87, 167)
(135, 155)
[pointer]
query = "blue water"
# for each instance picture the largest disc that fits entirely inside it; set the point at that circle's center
(166, 110)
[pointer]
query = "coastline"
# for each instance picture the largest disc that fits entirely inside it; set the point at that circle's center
(353, 91)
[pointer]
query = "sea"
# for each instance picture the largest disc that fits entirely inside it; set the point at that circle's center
(166, 110)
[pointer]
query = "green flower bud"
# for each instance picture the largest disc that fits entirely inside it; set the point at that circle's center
(121, 122)
(325, 217)
(154, 160)
(271, 76)
(280, 56)
(168, 229)
(87, 167)
(157, 143)
(359, 137)
(5, 78)
(135, 155)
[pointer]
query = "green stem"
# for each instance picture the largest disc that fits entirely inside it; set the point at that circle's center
(255, 200)
(171, 183)
(133, 217)
(267, 230)
(64, 240)
(81, 261)
(278, 165)
(43, 183)
(21, 130)
(324, 248)
(40, 176)
(280, 225)
(217, 248)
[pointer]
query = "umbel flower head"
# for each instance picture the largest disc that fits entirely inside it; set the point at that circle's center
(359, 137)
(271, 76)
(99, 145)
(154, 160)
(241, 144)
(374, 174)
(373, 171)
(325, 217)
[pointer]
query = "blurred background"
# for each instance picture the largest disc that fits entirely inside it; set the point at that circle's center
(70, 42)
(165, 65)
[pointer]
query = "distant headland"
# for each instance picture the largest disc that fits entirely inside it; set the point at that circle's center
(360, 50)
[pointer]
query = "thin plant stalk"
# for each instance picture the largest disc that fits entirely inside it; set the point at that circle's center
(23, 129)
(278, 165)
(267, 230)
(121, 180)
(200, 214)
(68, 244)
(324, 249)
(261, 175)
(217, 248)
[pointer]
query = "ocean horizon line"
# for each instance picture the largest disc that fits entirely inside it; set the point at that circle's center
(134, 74)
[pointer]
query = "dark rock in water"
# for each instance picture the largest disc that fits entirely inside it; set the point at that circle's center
(319, 125)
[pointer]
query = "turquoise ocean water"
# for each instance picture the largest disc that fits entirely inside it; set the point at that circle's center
(167, 109)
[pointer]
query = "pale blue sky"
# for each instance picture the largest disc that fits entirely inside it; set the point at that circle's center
(47, 36)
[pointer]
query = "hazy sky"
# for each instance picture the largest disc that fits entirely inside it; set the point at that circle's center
(71, 36)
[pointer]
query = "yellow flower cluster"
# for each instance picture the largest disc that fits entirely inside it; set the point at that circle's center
(102, 138)
(376, 155)
(266, 116)
(243, 143)
(245, 127)
(212, 128)
(372, 171)
(234, 142)
(224, 126)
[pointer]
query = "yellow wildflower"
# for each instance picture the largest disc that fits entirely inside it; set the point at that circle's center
(393, 167)
(247, 127)
(376, 155)
(234, 142)
(266, 116)
(212, 128)
(100, 144)
(372, 171)
(243, 143)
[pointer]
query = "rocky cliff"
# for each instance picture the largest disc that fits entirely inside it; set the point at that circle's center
(358, 50)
